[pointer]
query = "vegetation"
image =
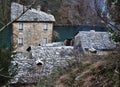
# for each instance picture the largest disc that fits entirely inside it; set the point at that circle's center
(110, 17)
(90, 71)
(115, 35)
(5, 62)
(114, 7)
(6, 51)
(114, 11)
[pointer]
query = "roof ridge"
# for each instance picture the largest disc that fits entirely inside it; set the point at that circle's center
(30, 15)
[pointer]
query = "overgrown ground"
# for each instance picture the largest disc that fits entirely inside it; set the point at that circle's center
(5, 62)
(86, 71)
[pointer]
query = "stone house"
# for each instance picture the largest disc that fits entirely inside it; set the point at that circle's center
(66, 33)
(69, 31)
(34, 27)
(94, 42)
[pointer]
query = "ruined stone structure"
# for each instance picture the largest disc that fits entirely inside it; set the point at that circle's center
(32, 28)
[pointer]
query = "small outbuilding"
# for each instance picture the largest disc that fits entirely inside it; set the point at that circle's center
(93, 42)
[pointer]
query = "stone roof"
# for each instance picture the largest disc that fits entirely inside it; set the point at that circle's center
(28, 72)
(30, 15)
(69, 31)
(97, 40)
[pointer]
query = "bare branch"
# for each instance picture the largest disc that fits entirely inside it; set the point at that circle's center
(18, 16)
(1, 22)
(1, 69)
(6, 76)
(103, 19)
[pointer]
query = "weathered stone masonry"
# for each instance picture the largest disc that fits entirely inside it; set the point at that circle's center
(29, 72)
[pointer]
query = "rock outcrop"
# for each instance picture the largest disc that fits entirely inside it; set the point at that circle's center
(74, 12)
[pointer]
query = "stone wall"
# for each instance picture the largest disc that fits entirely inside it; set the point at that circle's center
(32, 34)
(28, 72)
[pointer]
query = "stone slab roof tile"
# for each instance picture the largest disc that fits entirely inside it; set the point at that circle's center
(30, 15)
(97, 40)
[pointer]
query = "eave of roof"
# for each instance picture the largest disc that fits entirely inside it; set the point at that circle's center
(34, 21)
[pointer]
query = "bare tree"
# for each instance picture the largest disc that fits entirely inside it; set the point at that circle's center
(5, 54)
(24, 11)
(106, 20)
(111, 20)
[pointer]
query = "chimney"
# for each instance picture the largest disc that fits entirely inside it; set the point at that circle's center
(48, 11)
(38, 8)
(92, 31)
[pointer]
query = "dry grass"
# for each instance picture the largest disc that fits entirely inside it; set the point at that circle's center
(88, 71)
(93, 72)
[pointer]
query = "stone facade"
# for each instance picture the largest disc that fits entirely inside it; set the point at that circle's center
(34, 27)
(32, 34)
